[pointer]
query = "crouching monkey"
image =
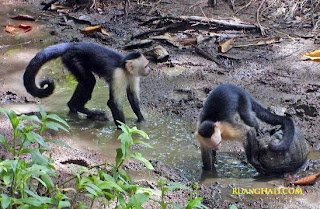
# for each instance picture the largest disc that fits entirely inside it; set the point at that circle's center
(82, 59)
(217, 121)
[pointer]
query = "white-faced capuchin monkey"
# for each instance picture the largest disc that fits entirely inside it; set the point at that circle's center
(217, 121)
(82, 59)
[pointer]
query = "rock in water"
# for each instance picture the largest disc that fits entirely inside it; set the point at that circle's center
(269, 162)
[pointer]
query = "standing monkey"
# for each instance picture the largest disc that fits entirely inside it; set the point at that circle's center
(217, 122)
(82, 59)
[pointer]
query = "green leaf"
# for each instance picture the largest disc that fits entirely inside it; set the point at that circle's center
(34, 137)
(175, 185)
(42, 113)
(135, 130)
(148, 191)
(96, 188)
(7, 178)
(55, 126)
(195, 203)
(74, 172)
(119, 157)
(42, 200)
(138, 156)
(124, 175)
(42, 182)
(30, 118)
(233, 207)
(46, 178)
(64, 204)
(14, 164)
(5, 143)
(25, 207)
(110, 185)
(36, 156)
(56, 118)
(5, 201)
(31, 201)
(125, 129)
(143, 143)
(14, 120)
(91, 191)
(137, 200)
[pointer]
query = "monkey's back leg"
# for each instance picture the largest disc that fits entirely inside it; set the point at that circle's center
(246, 113)
(83, 91)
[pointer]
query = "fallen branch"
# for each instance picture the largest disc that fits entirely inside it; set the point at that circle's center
(206, 55)
(260, 42)
(221, 23)
(188, 22)
(159, 31)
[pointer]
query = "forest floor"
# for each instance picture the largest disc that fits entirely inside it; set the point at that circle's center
(269, 66)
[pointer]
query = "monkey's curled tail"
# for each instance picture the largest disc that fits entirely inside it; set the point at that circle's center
(273, 119)
(47, 85)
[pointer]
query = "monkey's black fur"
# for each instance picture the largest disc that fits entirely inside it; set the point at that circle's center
(82, 59)
(226, 100)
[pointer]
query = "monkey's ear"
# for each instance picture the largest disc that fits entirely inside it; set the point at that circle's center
(130, 65)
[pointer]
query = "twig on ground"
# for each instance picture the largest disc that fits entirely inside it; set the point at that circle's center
(258, 18)
(197, 4)
(93, 5)
(245, 6)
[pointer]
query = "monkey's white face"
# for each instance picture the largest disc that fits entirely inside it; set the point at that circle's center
(214, 141)
(139, 66)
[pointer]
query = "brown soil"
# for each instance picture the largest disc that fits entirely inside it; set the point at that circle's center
(274, 74)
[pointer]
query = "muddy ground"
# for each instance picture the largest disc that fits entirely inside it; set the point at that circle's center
(275, 74)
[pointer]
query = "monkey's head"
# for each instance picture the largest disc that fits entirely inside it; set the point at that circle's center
(209, 134)
(137, 64)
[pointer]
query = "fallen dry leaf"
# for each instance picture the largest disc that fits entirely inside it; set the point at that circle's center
(23, 17)
(188, 41)
(58, 7)
(309, 180)
(91, 29)
(11, 29)
(25, 27)
(22, 28)
(104, 32)
(313, 56)
(226, 46)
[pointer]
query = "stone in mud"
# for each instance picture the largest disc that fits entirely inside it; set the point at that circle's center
(269, 162)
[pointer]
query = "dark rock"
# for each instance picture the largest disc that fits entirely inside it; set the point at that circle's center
(270, 162)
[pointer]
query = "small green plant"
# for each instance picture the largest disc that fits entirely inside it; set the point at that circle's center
(22, 179)
(26, 178)
(166, 186)
(113, 182)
